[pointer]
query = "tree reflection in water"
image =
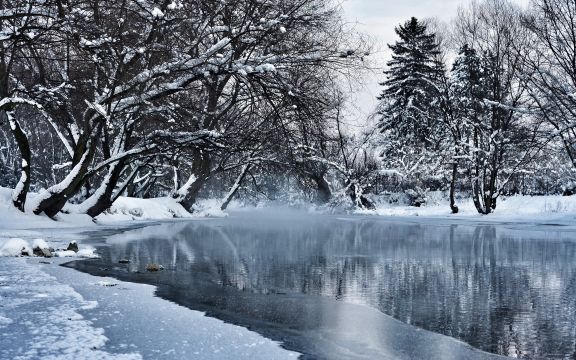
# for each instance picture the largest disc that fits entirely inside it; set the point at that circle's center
(503, 290)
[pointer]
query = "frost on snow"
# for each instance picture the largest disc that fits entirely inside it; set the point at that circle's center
(39, 318)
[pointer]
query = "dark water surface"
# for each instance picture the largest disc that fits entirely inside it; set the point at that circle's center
(322, 284)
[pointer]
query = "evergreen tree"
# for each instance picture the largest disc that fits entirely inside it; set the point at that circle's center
(410, 108)
(467, 86)
(463, 114)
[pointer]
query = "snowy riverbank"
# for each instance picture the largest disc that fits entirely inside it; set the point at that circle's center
(51, 312)
(125, 211)
(554, 209)
(551, 208)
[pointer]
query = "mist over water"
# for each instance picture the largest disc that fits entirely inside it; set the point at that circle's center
(297, 277)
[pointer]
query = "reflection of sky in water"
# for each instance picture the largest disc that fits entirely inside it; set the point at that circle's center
(506, 291)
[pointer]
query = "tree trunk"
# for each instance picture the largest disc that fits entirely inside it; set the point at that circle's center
(477, 190)
(483, 202)
(453, 206)
(188, 194)
(358, 198)
(102, 199)
(324, 192)
(235, 187)
(52, 200)
(192, 194)
(484, 199)
(21, 190)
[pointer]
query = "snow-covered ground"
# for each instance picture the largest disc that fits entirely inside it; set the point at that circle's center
(14, 223)
(40, 317)
(552, 208)
(522, 209)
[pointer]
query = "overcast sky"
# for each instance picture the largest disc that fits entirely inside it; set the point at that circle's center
(379, 18)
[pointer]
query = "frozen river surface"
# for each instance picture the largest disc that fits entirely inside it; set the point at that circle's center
(363, 288)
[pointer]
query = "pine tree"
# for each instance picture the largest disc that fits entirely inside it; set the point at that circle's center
(467, 85)
(410, 105)
(464, 113)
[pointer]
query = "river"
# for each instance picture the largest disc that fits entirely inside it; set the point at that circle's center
(328, 286)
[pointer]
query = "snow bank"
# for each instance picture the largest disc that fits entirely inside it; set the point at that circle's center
(126, 208)
(17, 246)
(514, 208)
(14, 247)
(11, 218)
(210, 208)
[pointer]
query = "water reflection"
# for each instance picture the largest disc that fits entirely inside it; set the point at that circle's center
(505, 291)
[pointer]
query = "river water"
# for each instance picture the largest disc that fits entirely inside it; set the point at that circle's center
(328, 286)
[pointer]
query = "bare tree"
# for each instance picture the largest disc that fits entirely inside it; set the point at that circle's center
(551, 70)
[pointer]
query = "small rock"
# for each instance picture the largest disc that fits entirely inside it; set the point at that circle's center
(45, 262)
(42, 252)
(124, 261)
(47, 253)
(24, 252)
(154, 267)
(73, 246)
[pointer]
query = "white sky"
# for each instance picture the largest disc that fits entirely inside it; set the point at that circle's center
(378, 18)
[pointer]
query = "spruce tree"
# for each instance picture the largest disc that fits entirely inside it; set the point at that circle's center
(467, 85)
(410, 101)
(464, 115)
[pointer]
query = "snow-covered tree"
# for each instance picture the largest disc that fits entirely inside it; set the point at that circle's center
(410, 105)
(551, 69)
(503, 137)
(464, 112)
(140, 92)
(274, 97)
(24, 26)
